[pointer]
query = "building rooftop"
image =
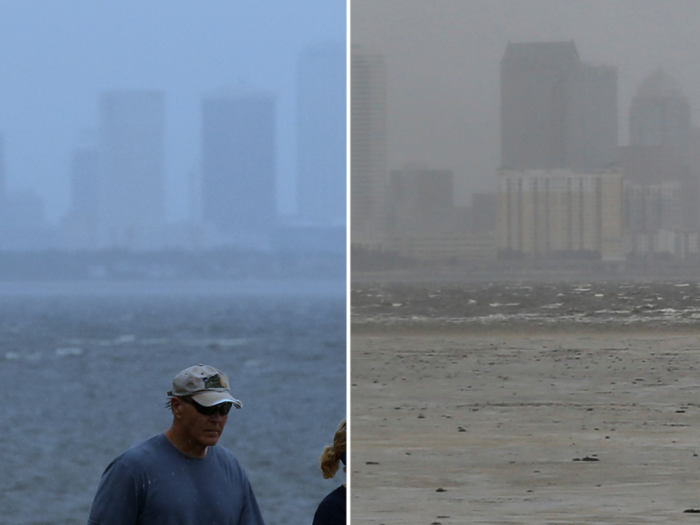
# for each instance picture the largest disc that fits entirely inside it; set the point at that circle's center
(549, 53)
(659, 85)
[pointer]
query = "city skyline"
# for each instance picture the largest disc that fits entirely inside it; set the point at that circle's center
(442, 88)
(52, 84)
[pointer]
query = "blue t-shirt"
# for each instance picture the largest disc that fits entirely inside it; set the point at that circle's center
(156, 484)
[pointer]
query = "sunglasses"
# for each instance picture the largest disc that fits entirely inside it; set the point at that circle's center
(223, 408)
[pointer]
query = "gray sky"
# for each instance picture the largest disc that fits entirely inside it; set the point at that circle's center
(443, 66)
(56, 56)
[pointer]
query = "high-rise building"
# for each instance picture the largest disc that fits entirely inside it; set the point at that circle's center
(556, 111)
(660, 114)
(559, 194)
(368, 176)
(85, 184)
(131, 164)
(79, 226)
(321, 117)
(3, 177)
(662, 151)
(238, 163)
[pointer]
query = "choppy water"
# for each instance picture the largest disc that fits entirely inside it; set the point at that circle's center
(499, 305)
(84, 374)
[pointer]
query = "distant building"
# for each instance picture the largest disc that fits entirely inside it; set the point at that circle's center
(424, 224)
(663, 147)
(559, 193)
(368, 178)
(79, 226)
(560, 213)
(3, 176)
(483, 214)
(653, 207)
(420, 201)
(238, 164)
(131, 163)
(660, 114)
(556, 111)
(23, 224)
(321, 117)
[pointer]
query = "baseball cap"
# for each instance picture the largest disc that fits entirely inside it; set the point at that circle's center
(207, 385)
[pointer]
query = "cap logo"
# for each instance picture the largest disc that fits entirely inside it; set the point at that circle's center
(213, 382)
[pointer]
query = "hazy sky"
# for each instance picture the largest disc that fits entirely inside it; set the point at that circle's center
(56, 56)
(443, 66)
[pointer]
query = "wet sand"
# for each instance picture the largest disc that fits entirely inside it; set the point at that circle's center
(569, 428)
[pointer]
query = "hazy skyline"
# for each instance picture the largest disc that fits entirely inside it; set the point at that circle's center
(443, 66)
(58, 56)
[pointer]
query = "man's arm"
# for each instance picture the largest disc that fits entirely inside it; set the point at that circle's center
(250, 515)
(117, 499)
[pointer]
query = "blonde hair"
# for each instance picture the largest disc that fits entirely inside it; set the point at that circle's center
(330, 457)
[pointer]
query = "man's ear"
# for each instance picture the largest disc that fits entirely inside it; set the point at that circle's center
(176, 406)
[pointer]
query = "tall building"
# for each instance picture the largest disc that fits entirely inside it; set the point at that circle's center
(368, 172)
(559, 192)
(131, 164)
(556, 111)
(238, 163)
(423, 222)
(660, 114)
(79, 226)
(662, 151)
(321, 117)
(3, 176)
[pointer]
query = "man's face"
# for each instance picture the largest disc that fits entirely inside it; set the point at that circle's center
(202, 430)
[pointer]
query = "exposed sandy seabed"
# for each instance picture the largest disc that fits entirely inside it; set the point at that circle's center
(453, 427)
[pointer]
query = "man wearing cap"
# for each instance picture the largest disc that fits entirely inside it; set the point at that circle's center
(180, 476)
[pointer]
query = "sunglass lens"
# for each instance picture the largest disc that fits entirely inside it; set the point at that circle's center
(223, 409)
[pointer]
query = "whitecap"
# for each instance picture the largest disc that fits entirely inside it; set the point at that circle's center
(69, 351)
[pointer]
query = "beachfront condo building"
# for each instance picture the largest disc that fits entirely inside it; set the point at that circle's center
(368, 171)
(321, 137)
(561, 213)
(238, 165)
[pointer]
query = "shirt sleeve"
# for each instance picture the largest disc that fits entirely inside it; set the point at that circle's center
(250, 515)
(117, 499)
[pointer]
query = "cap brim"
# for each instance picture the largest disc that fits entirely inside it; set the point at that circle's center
(209, 399)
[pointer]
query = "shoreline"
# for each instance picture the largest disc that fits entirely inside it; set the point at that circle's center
(513, 329)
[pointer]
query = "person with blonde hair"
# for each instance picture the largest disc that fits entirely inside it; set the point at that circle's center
(331, 511)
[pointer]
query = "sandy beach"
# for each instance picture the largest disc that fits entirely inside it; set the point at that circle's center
(567, 427)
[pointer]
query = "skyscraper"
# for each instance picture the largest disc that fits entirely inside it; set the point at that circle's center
(556, 111)
(660, 114)
(238, 163)
(79, 226)
(368, 178)
(321, 116)
(131, 164)
(3, 176)
(560, 194)
(661, 154)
